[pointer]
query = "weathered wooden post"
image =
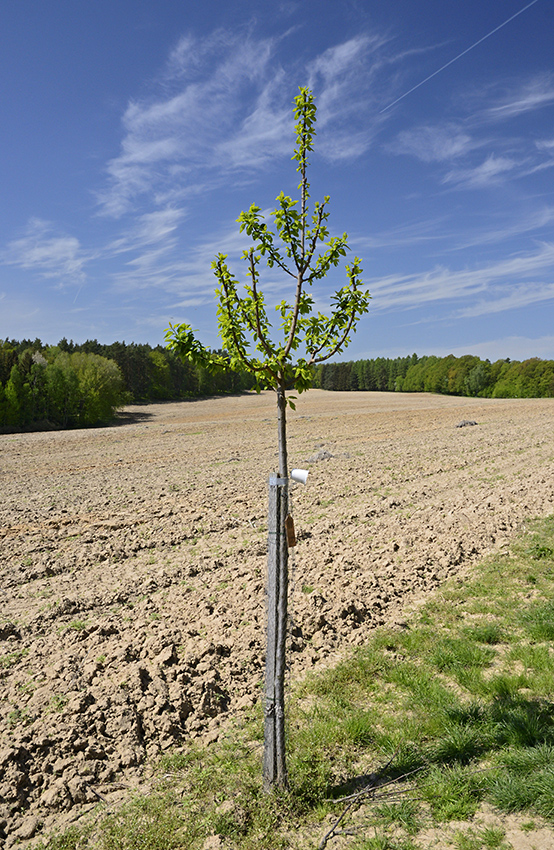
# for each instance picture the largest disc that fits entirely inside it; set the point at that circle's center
(274, 761)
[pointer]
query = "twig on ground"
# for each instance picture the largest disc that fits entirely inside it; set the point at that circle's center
(99, 795)
(333, 831)
(370, 788)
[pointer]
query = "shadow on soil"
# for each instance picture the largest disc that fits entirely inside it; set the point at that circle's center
(131, 417)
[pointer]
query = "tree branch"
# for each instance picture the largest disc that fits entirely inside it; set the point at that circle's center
(277, 259)
(314, 359)
(260, 333)
(241, 353)
(311, 250)
(302, 265)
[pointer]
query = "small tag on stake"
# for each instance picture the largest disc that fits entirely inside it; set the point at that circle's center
(289, 528)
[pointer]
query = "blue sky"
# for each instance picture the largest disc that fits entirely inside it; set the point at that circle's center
(135, 131)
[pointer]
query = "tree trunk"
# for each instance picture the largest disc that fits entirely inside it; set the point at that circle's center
(282, 430)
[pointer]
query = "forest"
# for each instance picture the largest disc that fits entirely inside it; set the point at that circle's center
(75, 386)
(465, 376)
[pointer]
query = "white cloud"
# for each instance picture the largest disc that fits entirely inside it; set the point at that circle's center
(223, 105)
(350, 80)
(265, 132)
(518, 222)
(341, 61)
(546, 145)
(524, 97)
(494, 230)
(522, 295)
(433, 143)
(50, 254)
(196, 106)
(416, 233)
(455, 143)
(492, 284)
(489, 171)
(159, 226)
(514, 347)
(158, 267)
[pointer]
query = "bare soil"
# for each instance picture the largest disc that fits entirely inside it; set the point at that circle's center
(132, 562)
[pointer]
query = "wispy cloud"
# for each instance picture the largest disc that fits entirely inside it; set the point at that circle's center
(434, 143)
(159, 226)
(522, 295)
(524, 96)
(350, 80)
(448, 235)
(222, 106)
(49, 253)
(264, 133)
(150, 241)
(514, 224)
(485, 288)
(197, 103)
(515, 347)
(187, 282)
(415, 233)
(490, 171)
(458, 145)
(546, 145)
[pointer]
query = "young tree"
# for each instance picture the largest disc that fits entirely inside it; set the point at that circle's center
(301, 247)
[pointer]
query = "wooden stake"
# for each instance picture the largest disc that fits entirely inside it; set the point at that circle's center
(274, 762)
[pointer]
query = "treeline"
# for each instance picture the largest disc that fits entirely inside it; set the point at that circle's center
(69, 385)
(467, 375)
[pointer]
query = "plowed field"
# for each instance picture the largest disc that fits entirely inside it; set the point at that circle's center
(132, 562)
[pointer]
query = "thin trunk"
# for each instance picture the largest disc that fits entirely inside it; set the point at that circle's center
(282, 428)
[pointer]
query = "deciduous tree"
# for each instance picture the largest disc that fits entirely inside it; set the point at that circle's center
(300, 246)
